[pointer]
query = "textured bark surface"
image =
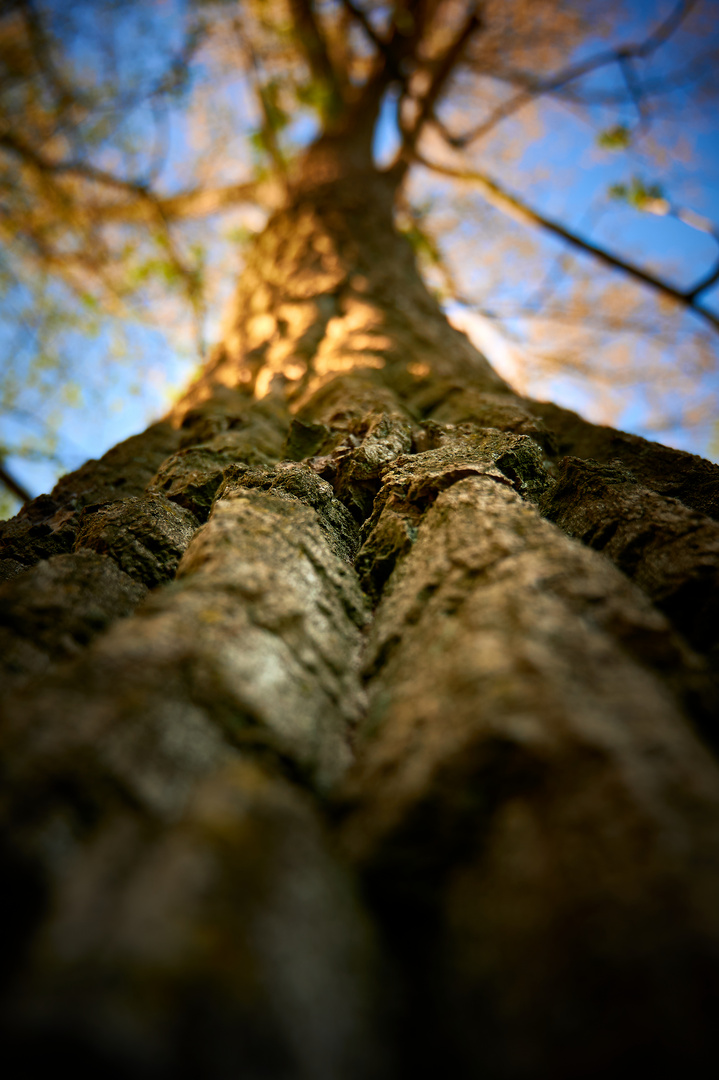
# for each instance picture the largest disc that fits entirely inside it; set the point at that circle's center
(48, 525)
(49, 613)
(672, 552)
(386, 775)
(670, 472)
(520, 790)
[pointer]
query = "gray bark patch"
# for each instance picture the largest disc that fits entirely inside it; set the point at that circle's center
(290, 480)
(191, 477)
(411, 483)
(145, 535)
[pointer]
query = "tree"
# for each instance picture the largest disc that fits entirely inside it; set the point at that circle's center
(140, 142)
(387, 774)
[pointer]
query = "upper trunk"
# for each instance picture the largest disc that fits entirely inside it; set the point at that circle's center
(331, 286)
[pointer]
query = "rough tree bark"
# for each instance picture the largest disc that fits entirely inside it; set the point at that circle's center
(389, 773)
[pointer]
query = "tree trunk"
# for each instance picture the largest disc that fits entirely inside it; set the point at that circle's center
(387, 775)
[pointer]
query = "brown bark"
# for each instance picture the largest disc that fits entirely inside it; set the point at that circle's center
(252, 830)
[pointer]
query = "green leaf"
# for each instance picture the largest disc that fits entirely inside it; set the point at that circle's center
(422, 245)
(615, 138)
(316, 96)
(72, 395)
(636, 193)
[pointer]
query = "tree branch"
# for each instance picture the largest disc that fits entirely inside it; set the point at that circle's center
(662, 207)
(576, 71)
(42, 48)
(709, 279)
(69, 167)
(268, 126)
(13, 485)
(196, 202)
(151, 207)
(515, 208)
(202, 202)
(360, 17)
(443, 70)
(314, 46)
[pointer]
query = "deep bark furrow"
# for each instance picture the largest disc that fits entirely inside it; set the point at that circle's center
(290, 480)
(410, 484)
(103, 507)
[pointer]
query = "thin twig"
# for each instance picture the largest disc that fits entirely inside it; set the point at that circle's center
(557, 82)
(443, 70)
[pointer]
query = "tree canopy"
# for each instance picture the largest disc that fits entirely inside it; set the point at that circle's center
(556, 161)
